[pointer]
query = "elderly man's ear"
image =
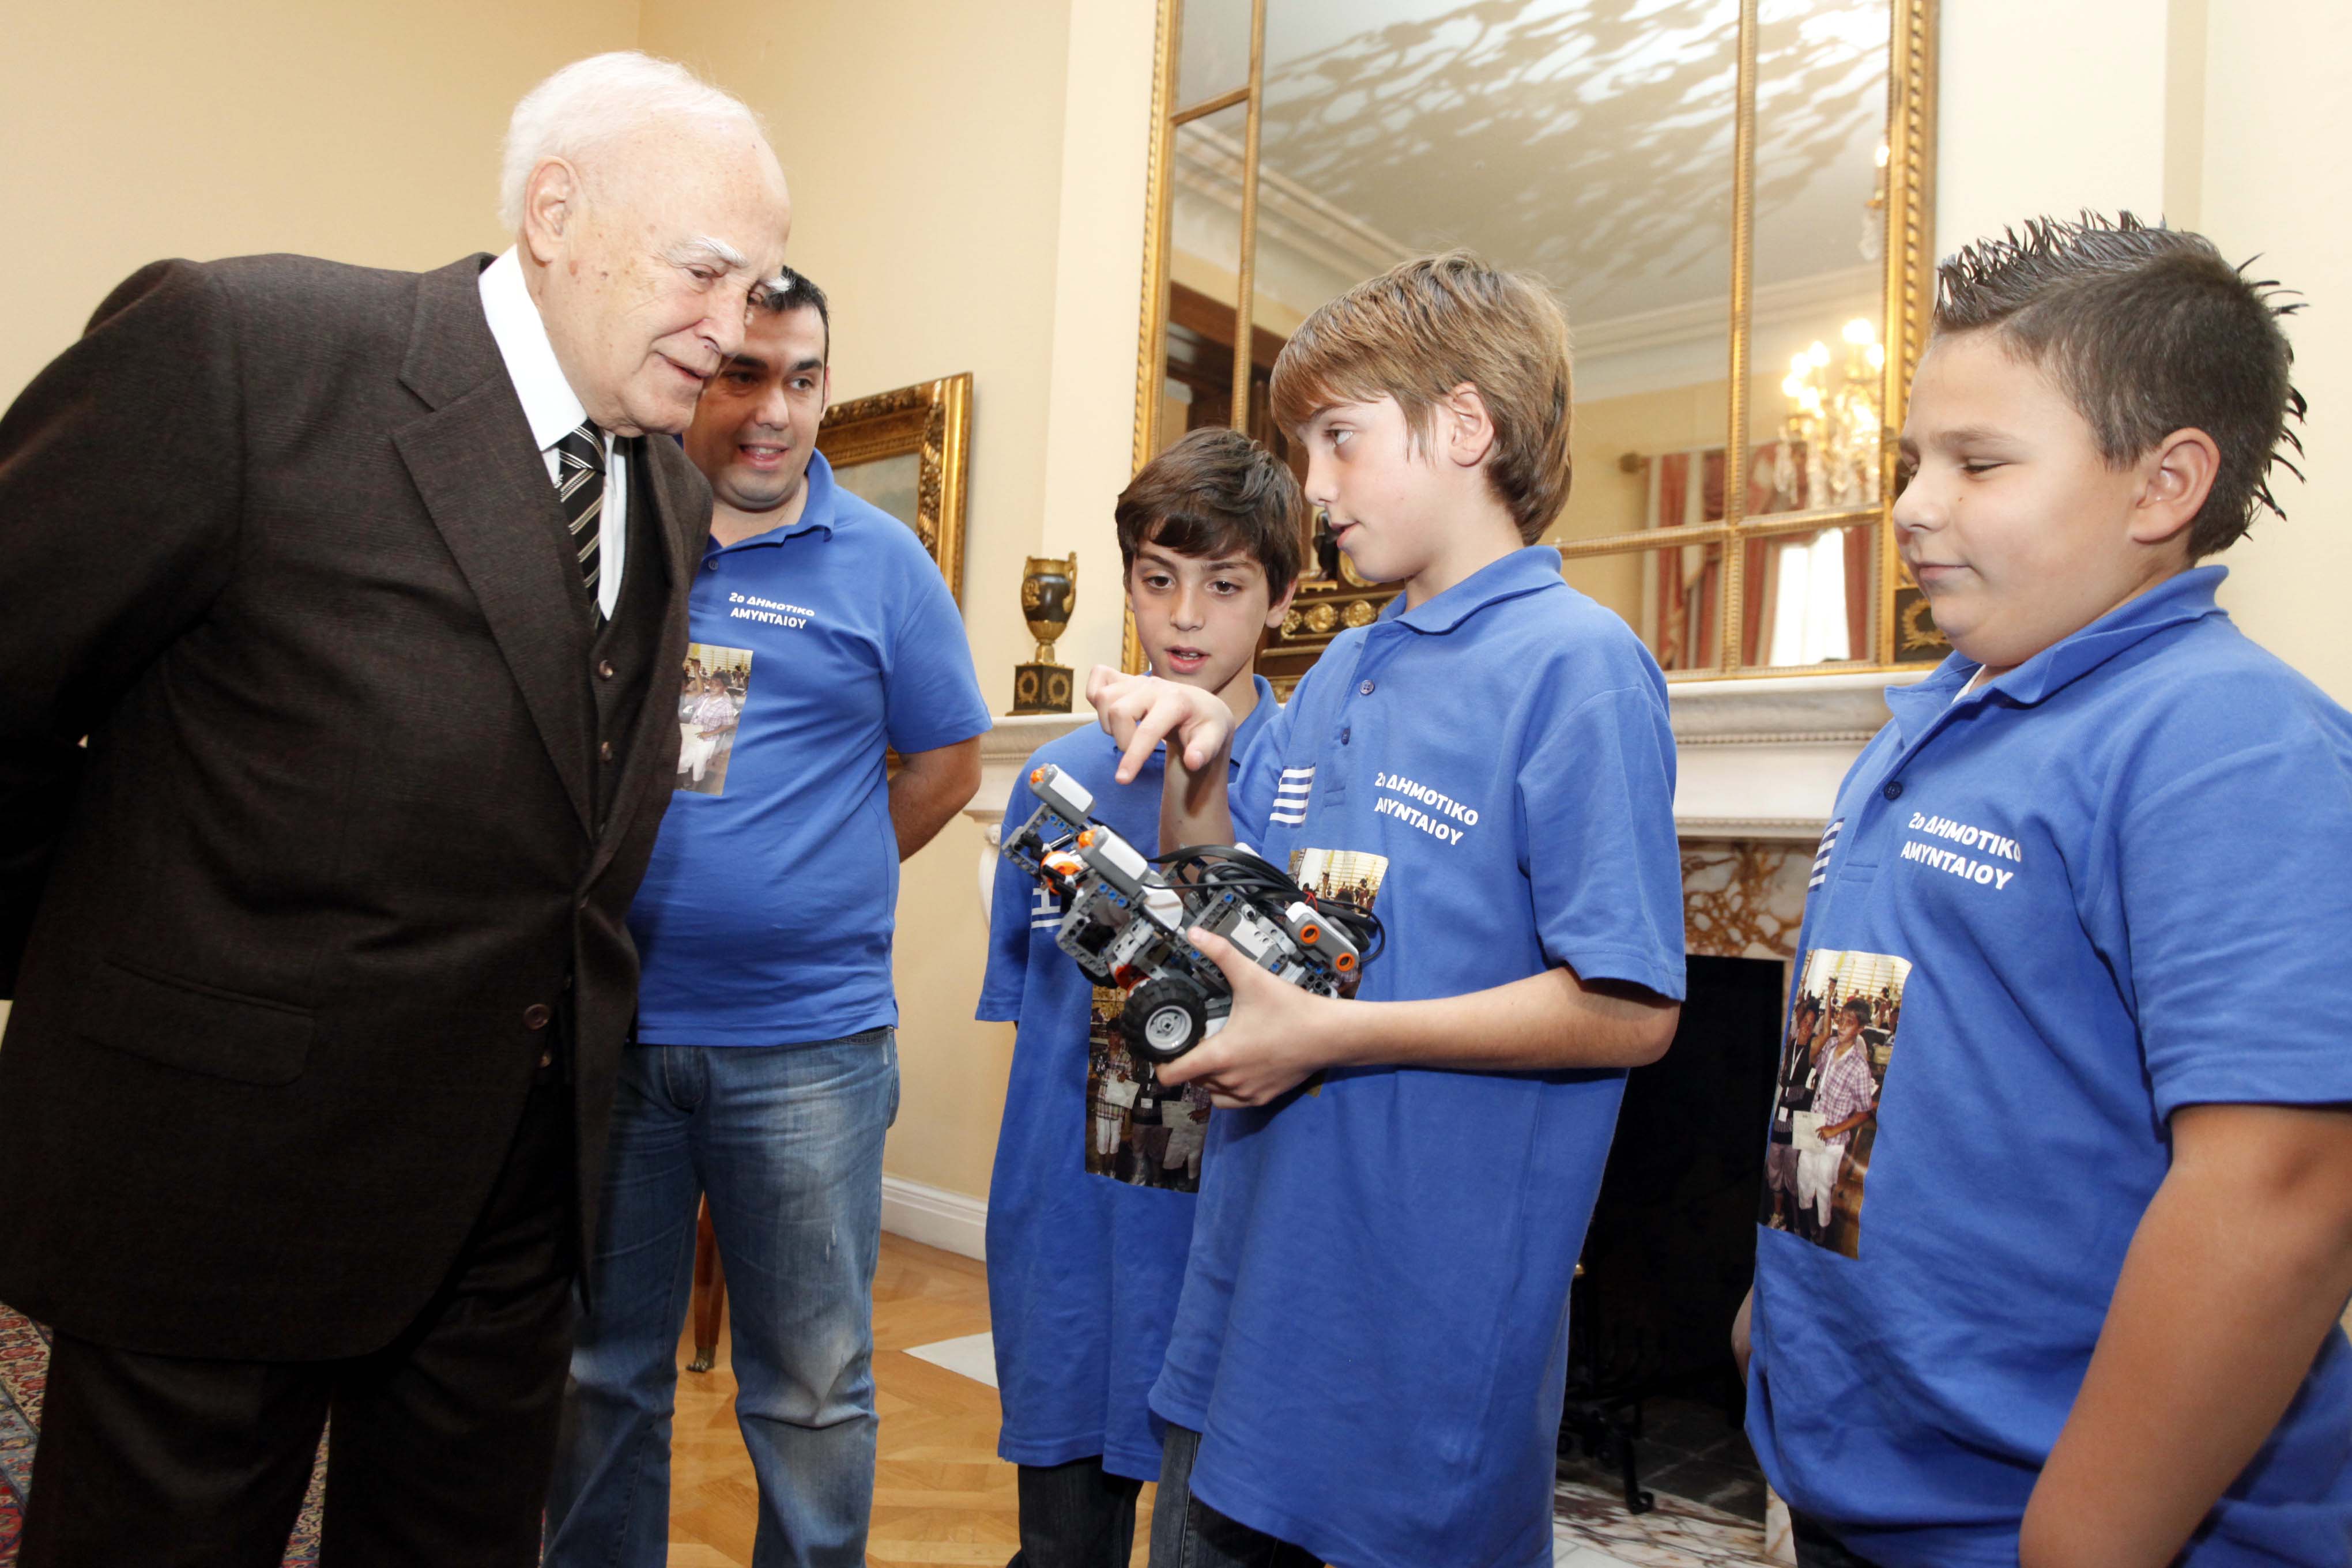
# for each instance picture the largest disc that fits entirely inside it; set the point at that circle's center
(551, 205)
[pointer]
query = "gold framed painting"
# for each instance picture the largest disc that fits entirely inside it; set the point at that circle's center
(907, 450)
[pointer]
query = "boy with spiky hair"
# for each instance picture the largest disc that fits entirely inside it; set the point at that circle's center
(2088, 1312)
(1368, 1359)
(1090, 1209)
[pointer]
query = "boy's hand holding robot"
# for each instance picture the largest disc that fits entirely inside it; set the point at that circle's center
(1275, 1038)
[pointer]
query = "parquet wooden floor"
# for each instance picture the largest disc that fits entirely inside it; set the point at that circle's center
(941, 1494)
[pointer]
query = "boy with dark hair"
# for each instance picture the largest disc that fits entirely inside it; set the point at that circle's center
(1369, 1360)
(1087, 1244)
(2090, 1314)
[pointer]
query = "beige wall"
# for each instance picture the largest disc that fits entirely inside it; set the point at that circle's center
(2238, 130)
(2277, 123)
(133, 130)
(923, 146)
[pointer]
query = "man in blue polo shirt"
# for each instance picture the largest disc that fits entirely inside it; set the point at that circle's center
(765, 1066)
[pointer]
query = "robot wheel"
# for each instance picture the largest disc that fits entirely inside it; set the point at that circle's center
(1166, 1017)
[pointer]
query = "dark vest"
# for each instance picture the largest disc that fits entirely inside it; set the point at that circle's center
(621, 662)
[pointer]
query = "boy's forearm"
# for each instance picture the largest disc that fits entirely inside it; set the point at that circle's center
(2234, 1277)
(1544, 1022)
(1279, 1035)
(1195, 807)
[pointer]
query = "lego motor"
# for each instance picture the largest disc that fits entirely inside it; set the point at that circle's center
(1129, 920)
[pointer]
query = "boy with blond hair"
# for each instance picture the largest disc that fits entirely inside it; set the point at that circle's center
(2087, 1313)
(1085, 1254)
(1369, 1358)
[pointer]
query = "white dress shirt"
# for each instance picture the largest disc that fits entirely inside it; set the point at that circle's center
(553, 408)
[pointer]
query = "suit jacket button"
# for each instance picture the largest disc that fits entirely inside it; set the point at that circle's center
(536, 1015)
(605, 669)
(605, 751)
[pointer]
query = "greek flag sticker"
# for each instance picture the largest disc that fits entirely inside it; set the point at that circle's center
(1821, 855)
(1290, 792)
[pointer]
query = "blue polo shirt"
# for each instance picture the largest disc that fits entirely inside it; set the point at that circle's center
(2111, 884)
(1083, 1271)
(1374, 1333)
(765, 916)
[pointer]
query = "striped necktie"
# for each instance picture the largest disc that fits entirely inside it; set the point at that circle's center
(580, 489)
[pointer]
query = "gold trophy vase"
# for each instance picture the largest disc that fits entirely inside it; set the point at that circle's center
(1049, 588)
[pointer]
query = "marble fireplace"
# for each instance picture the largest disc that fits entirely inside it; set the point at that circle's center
(1757, 765)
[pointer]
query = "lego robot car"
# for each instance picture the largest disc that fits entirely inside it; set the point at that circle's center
(1129, 918)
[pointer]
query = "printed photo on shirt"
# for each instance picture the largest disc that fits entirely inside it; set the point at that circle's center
(1139, 1131)
(712, 686)
(1348, 874)
(1825, 1109)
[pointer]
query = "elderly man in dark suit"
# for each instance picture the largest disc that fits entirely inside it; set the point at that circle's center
(368, 590)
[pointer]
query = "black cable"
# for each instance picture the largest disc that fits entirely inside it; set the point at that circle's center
(1229, 868)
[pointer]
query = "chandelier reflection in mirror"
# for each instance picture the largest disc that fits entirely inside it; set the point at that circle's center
(1830, 440)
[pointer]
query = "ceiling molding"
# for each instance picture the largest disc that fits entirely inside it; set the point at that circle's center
(1209, 164)
(1798, 300)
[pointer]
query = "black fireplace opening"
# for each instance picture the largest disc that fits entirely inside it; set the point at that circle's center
(1671, 1249)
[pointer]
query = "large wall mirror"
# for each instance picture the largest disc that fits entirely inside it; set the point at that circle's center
(1729, 199)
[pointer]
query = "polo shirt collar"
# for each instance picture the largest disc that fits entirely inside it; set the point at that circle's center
(2190, 596)
(1247, 731)
(820, 510)
(548, 405)
(1527, 571)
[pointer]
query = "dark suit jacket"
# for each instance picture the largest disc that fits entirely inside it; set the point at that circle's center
(288, 935)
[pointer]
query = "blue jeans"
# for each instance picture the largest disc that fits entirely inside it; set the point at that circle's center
(1076, 1515)
(787, 1141)
(1188, 1533)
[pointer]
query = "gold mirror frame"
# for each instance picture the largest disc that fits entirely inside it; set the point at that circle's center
(1906, 635)
(930, 421)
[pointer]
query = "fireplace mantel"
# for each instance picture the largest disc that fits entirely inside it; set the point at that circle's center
(1756, 759)
(1763, 758)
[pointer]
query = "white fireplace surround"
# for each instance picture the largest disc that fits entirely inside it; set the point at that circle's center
(1755, 759)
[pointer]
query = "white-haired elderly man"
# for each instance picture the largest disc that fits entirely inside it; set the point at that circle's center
(368, 591)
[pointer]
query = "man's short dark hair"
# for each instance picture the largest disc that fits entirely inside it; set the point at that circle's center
(2146, 330)
(1856, 1008)
(789, 291)
(1213, 492)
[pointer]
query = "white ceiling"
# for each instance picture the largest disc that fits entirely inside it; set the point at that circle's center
(1586, 140)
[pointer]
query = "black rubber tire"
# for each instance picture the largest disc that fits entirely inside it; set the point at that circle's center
(1165, 1017)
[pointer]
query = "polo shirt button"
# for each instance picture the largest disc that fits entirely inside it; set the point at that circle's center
(1344, 733)
(1366, 689)
(536, 1015)
(605, 669)
(547, 1058)
(1893, 790)
(605, 751)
